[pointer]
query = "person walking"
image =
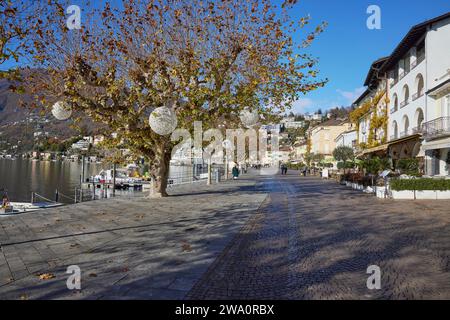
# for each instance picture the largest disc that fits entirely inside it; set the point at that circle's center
(235, 172)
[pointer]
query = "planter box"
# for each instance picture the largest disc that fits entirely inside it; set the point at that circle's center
(426, 195)
(355, 186)
(403, 195)
(380, 192)
(443, 195)
(421, 195)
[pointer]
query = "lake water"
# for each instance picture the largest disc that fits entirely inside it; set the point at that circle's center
(22, 177)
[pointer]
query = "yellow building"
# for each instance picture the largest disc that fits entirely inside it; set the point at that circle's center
(370, 115)
(323, 136)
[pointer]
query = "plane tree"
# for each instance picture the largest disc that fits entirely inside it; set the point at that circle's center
(203, 61)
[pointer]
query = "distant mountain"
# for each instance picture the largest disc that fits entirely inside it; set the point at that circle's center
(19, 124)
(10, 109)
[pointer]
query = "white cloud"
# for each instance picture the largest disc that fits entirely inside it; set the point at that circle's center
(351, 95)
(301, 105)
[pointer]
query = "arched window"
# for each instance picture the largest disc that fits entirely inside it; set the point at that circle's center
(394, 130)
(405, 96)
(418, 120)
(419, 86)
(405, 126)
(395, 101)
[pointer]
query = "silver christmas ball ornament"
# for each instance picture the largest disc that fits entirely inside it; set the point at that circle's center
(249, 118)
(163, 121)
(61, 110)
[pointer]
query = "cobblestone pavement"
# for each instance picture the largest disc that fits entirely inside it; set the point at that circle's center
(315, 239)
(127, 248)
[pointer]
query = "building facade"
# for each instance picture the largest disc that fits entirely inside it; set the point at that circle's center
(418, 72)
(412, 88)
(323, 136)
(347, 139)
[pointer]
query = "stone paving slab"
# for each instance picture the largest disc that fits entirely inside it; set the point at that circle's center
(315, 239)
(127, 248)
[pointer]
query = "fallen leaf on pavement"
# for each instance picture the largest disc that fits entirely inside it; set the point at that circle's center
(187, 247)
(46, 276)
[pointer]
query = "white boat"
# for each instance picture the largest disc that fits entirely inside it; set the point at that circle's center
(22, 207)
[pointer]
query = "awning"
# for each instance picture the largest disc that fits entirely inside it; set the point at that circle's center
(383, 147)
(436, 144)
(415, 136)
(407, 147)
(440, 90)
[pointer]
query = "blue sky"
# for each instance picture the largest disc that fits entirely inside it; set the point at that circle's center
(347, 47)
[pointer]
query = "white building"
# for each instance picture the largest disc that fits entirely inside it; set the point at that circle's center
(419, 94)
(81, 145)
(272, 128)
(294, 124)
(347, 139)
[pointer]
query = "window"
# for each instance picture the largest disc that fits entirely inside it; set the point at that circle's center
(407, 63)
(395, 99)
(395, 130)
(448, 105)
(420, 52)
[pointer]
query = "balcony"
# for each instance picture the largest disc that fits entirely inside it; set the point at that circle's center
(417, 95)
(403, 74)
(417, 130)
(404, 103)
(394, 82)
(436, 128)
(403, 134)
(417, 61)
(393, 137)
(393, 110)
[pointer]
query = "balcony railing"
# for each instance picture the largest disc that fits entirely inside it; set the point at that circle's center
(403, 134)
(393, 110)
(394, 83)
(417, 95)
(417, 130)
(420, 59)
(436, 128)
(404, 103)
(393, 137)
(403, 74)
(416, 62)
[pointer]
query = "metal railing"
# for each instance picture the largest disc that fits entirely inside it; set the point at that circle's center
(191, 174)
(417, 130)
(404, 103)
(404, 134)
(436, 128)
(417, 95)
(394, 82)
(420, 58)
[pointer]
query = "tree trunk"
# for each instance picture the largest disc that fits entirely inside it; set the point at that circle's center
(160, 173)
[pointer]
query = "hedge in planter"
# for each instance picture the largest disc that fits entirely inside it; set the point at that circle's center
(420, 184)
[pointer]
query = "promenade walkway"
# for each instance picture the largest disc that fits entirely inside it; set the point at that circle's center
(315, 239)
(126, 248)
(261, 237)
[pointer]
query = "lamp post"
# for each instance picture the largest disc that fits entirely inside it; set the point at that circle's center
(227, 145)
